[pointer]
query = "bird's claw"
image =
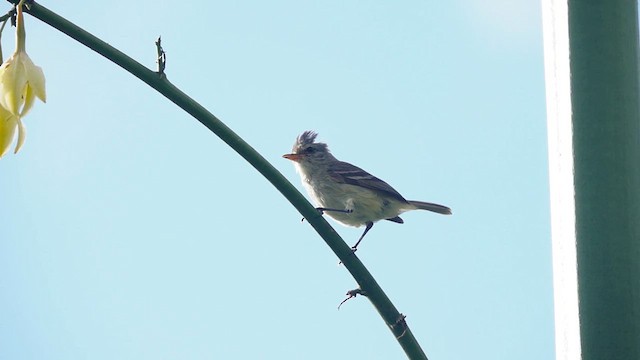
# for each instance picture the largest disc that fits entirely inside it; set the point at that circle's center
(353, 251)
(322, 210)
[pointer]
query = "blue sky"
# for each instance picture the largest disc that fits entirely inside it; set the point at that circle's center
(130, 231)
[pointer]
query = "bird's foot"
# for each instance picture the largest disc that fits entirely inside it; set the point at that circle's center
(353, 250)
(321, 210)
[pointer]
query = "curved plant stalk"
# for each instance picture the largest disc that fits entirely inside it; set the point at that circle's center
(368, 286)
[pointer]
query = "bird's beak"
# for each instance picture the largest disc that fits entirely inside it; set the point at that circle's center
(292, 157)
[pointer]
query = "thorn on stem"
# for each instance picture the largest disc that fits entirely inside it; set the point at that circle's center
(351, 294)
(401, 324)
(162, 57)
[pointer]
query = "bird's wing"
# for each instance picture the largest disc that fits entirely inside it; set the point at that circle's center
(346, 173)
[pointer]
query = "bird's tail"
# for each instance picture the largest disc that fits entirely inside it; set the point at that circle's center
(440, 209)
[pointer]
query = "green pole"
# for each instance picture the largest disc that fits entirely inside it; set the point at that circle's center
(603, 44)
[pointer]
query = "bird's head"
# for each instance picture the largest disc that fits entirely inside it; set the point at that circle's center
(307, 151)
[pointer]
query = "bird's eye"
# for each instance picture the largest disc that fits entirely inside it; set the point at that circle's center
(310, 149)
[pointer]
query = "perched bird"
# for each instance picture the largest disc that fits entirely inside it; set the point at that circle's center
(347, 193)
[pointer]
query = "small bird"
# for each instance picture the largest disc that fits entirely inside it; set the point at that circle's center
(347, 193)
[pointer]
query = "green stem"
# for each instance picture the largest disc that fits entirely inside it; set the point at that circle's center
(603, 43)
(20, 33)
(159, 82)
